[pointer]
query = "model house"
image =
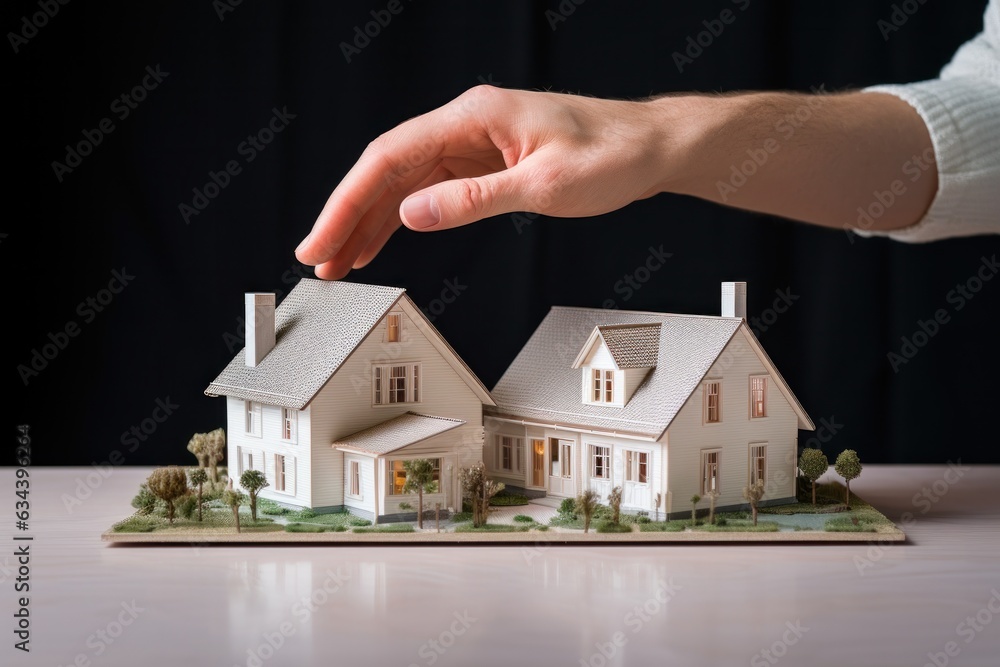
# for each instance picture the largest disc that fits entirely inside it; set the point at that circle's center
(660, 404)
(336, 388)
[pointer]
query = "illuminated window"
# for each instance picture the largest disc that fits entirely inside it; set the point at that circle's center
(397, 476)
(713, 402)
(392, 327)
(758, 396)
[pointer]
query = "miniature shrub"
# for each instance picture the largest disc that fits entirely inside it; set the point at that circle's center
(459, 517)
(663, 526)
(523, 518)
(358, 521)
(508, 500)
(567, 506)
(541, 528)
(642, 519)
(491, 528)
(847, 524)
(609, 526)
(385, 528)
(304, 528)
(187, 506)
(339, 529)
(304, 513)
(138, 523)
(144, 501)
(267, 506)
(721, 521)
(748, 527)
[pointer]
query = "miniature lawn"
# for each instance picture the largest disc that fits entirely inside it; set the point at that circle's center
(517, 521)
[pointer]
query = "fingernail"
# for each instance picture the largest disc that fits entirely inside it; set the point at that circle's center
(303, 243)
(421, 211)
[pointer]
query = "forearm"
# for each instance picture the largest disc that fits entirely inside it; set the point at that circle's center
(817, 158)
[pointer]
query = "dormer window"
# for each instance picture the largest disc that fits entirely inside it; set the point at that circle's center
(604, 386)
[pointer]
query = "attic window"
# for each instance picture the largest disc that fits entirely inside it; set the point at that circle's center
(604, 386)
(393, 326)
(758, 396)
(396, 383)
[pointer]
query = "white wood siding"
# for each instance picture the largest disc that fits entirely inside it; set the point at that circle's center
(688, 436)
(367, 470)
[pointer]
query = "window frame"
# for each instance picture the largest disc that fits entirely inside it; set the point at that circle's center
(390, 328)
(354, 479)
(753, 458)
(595, 457)
(390, 487)
(382, 383)
(636, 466)
(703, 471)
(290, 425)
(763, 400)
(706, 403)
(280, 473)
(602, 386)
(253, 419)
(512, 447)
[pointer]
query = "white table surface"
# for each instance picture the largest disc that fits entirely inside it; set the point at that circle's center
(522, 605)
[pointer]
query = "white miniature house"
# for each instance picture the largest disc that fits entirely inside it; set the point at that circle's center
(339, 385)
(665, 406)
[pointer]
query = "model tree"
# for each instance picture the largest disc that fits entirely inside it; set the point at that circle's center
(233, 498)
(198, 477)
(209, 448)
(615, 501)
(695, 499)
(712, 497)
(586, 504)
(813, 464)
(479, 489)
(253, 481)
(848, 466)
(168, 484)
(419, 479)
(752, 494)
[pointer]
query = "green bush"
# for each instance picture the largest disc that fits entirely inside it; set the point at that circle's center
(541, 528)
(568, 507)
(663, 526)
(339, 529)
(846, 524)
(721, 521)
(358, 521)
(268, 506)
(459, 517)
(187, 506)
(643, 519)
(306, 513)
(138, 523)
(523, 518)
(491, 528)
(508, 500)
(385, 528)
(304, 528)
(144, 501)
(609, 526)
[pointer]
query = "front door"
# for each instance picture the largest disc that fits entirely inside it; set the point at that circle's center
(538, 463)
(561, 482)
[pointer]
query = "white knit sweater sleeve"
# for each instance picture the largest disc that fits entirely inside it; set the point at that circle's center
(962, 112)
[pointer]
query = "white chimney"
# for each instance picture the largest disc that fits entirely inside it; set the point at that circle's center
(734, 300)
(259, 318)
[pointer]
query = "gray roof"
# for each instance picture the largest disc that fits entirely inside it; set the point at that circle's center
(318, 325)
(406, 429)
(541, 384)
(632, 346)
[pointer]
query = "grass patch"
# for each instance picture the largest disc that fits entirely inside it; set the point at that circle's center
(491, 528)
(385, 528)
(508, 500)
(138, 523)
(267, 506)
(304, 528)
(846, 524)
(523, 518)
(212, 520)
(663, 526)
(459, 517)
(740, 527)
(611, 527)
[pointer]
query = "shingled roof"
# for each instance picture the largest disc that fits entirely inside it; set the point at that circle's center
(542, 385)
(406, 429)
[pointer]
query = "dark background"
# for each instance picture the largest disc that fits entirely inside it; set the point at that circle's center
(168, 333)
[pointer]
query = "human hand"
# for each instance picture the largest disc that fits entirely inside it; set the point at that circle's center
(492, 151)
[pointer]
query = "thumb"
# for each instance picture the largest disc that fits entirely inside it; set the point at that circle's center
(460, 201)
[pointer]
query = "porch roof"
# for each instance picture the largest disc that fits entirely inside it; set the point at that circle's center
(402, 431)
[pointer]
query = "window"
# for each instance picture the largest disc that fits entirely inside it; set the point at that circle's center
(709, 472)
(713, 402)
(758, 396)
(636, 466)
(249, 461)
(600, 460)
(253, 411)
(279, 472)
(289, 424)
(758, 463)
(393, 324)
(397, 476)
(509, 453)
(604, 386)
(354, 476)
(396, 383)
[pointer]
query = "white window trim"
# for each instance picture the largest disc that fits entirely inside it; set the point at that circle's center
(593, 461)
(751, 461)
(632, 477)
(354, 471)
(750, 402)
(617, 378)
(253, 417)
(283, 487)
(705, 395)
(414, 382)
(290, 415)
(702, 490)
(516, 453)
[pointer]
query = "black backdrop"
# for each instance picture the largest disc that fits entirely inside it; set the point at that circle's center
(171, 328)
